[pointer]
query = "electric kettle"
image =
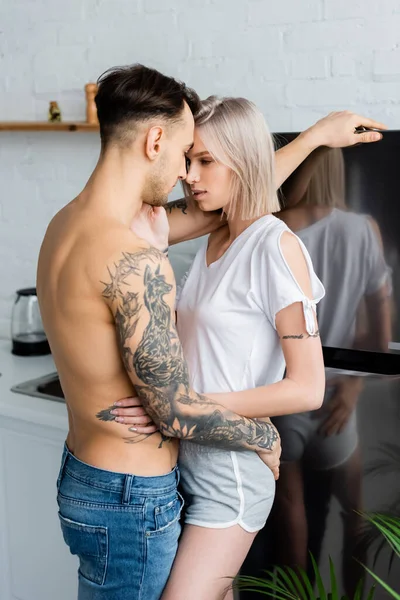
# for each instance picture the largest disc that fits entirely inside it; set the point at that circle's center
(27, 333)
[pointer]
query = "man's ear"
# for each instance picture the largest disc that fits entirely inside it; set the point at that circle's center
(153, 142)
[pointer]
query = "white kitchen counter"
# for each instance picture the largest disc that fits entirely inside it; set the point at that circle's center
(17, 369)
(35, 563)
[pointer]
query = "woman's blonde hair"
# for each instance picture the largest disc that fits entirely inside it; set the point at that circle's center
(327, 183)
(235, 133)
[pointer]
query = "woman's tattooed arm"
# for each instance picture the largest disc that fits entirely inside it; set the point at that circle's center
(141, 293)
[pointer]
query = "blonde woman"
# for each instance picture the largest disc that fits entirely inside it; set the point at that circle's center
(246, 310)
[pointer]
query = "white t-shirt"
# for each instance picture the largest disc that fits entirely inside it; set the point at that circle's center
(226, 311)
(348, 259)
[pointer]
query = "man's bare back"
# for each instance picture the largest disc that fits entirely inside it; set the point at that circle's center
(82, 335)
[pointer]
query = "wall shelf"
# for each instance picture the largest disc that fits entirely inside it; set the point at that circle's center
(46, 126)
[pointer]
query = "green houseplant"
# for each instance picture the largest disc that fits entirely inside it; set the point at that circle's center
(289, 584)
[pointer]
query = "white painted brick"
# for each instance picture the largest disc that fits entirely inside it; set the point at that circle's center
(262, 13)
(47, 84)
(389, 114)
(279, 119)
(72, 104)
(271, 68)
(343, 65)
(202, 75)
(13, 83)
(267, 95)
(381, 93)
(323, 93)
(355, 34)
(346, 9)
(178, 5)
(255, 42)
(309, 66)
(109, 10)
(213, 21)
(232, 77)
(387, 63)
(200, 48)
(382, 33)
(337, 34)
(48, 65)
(12, 108)
(273, 53)
(163, 47)
(22, 200)
(31, 37)
(74, 34)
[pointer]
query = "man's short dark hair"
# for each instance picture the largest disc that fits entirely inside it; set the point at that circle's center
(128, 95)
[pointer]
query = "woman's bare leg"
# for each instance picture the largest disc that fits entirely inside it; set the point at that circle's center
(289, 515)
(347, 487)
(206, 562)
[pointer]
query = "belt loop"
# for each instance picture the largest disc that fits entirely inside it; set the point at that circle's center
(126, 494)
(62, 466)
(178, 475)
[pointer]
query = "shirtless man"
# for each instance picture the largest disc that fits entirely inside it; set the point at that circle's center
(105, 293)
(107, 300)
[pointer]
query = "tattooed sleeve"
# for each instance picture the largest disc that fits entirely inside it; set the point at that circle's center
(141, 288)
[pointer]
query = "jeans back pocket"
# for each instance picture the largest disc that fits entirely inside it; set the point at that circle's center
(90, 544)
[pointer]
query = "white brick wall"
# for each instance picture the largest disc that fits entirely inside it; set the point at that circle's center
(297, 59)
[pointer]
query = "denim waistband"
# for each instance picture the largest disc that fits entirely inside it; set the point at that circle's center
(117, 482)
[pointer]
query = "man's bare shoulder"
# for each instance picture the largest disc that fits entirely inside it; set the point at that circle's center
(124, 266)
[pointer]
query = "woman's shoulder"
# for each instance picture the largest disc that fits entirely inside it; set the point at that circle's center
(275, 234)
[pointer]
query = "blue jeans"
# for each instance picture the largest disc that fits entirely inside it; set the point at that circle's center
(123, 528)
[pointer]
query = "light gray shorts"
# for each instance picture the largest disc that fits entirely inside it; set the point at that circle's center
(223, 488)
(301, 439)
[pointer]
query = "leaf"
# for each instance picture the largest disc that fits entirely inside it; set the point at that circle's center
(370, 534)
(389, 527)
(307, 583)
(359, 591)
(394, 594)
(264, 587)
(371, 593)
(299, 585)
(334, 589)
(280, 572)
(318, 579)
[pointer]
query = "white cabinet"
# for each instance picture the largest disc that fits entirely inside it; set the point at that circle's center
(35, 564)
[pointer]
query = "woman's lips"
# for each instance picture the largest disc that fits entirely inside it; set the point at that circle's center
(199, 194)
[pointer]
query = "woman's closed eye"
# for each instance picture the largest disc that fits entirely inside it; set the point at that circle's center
(205, 161)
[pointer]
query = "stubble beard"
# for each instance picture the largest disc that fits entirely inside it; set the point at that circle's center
(154, 192)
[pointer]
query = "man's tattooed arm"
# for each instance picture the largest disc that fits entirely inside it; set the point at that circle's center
(141, 293)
